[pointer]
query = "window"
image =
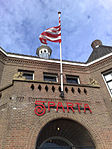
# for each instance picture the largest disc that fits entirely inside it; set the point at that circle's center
(29, 75)
(72, 79)
(50, 77)
(108, 80)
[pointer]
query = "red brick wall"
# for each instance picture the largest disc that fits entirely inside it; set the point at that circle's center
(1, 67)
(19, 126)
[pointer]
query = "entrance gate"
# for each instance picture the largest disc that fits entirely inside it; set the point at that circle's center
(64, 134)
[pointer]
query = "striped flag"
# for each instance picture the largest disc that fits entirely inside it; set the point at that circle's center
(52, 34)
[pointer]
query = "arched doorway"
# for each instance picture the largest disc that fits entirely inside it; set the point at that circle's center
(64, 134)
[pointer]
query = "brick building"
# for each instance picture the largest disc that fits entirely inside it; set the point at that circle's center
(33, 114)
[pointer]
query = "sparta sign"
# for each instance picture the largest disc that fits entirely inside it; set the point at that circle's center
(41, 107)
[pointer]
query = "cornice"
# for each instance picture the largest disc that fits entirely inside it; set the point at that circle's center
(33, 59)
(101, 63)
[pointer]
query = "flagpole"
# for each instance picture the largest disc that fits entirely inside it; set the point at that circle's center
(61, 70)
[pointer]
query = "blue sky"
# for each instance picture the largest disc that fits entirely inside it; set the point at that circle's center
(22, 21)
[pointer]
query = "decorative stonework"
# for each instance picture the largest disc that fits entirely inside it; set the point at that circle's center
(93, 82)
(19, 75)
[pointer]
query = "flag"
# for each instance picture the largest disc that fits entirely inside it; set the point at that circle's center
(52, 34)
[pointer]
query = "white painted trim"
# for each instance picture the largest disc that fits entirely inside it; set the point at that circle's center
(54, 61)
(33, 76)
(106, 85)
(3, 51)
(78, 80)
(99, 59)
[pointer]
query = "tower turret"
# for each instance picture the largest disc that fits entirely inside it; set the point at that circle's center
(44, 52)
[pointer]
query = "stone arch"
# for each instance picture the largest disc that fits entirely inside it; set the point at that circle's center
(50, 117)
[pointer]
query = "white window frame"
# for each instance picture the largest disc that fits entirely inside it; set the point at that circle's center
(27, 71)
(50, 74)
(77, 77)
(103, 75)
